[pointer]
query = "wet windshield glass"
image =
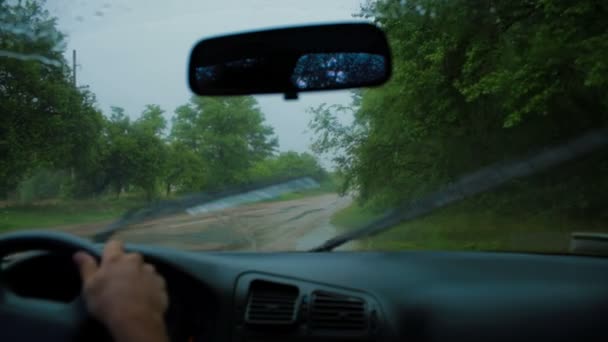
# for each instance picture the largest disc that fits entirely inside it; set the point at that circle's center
(489, 136)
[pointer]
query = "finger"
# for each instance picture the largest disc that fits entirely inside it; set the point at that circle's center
(164, 301)
(113, 250)
(161, 282)
(87, 265)
(150, 268)
(135, 258)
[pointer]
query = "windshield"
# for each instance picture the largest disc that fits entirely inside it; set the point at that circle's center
(490, 134)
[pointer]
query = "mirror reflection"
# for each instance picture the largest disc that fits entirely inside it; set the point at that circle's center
(310, 71)
(342, 69)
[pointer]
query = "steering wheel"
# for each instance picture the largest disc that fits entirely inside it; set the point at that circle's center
(31, 319)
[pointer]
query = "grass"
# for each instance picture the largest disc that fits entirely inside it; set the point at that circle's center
(64, 212)
(536, 213)
(469, 226)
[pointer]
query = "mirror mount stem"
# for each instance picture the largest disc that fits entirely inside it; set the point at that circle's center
(291, 96)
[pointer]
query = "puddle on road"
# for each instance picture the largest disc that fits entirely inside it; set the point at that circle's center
(275, 226)
(318, 236)
(254, 196)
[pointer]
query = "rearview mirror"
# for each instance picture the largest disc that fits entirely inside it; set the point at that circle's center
(291, 60)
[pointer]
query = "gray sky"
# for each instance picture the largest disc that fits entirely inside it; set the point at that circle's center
(134, 52)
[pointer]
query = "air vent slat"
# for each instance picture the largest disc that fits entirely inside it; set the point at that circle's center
(288, 314)
(282, 313)
(271, 303)
(336, 312)
(264, 308)
(338, 306)
(268, 319)
(271, 317)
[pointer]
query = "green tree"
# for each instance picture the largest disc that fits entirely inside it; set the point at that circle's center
(148, 157)
(118, 161)
(228, 133)
(151, 154)
(135, 152)
(46, 121)
(184, 169)
(473, 83)
(153, 121)
(289, 165)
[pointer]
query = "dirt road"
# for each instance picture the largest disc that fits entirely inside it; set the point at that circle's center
(271, 226)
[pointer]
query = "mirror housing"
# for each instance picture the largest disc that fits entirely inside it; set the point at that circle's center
(291, 60)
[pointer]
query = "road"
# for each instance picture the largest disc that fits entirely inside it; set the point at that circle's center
(270, 226)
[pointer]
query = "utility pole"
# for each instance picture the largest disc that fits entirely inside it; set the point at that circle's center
(74, 67)
(72, 170)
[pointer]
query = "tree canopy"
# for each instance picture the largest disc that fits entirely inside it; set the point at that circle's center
(46, 120)
(55, 141)
(228, 134)
(473, 83)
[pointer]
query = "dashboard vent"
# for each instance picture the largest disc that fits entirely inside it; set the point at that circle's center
(337, 312)
(271, 303)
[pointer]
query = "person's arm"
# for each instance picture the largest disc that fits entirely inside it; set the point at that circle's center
(125, 294)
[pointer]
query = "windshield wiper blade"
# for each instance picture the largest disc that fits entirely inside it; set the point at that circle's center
(485, 179)
(207, 202)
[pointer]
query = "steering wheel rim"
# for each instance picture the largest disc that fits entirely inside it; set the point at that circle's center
(16, 242)
(38, 319)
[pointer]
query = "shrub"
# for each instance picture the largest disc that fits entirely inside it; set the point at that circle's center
(43, 184)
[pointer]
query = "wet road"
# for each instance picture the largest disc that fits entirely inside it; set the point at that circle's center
(270, 226)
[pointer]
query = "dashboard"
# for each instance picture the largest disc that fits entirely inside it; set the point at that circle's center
(358, 296)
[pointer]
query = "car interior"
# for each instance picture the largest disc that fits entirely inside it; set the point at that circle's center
(319, 295)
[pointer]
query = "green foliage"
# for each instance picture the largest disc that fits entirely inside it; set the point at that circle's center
(117, 160)
(135, 152)
(479, 224)
(152, 121)
(289, 165)
(42, 184)
(184, 169)
(46, 121)
(227, 133)
(339, 140)
(473, 83)
(62, 212)
(148, 155)
(55, 142)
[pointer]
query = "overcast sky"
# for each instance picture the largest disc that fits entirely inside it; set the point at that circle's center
(134, 52)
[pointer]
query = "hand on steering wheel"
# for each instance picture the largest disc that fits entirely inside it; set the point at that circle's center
(122, 292)
(125, 294)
